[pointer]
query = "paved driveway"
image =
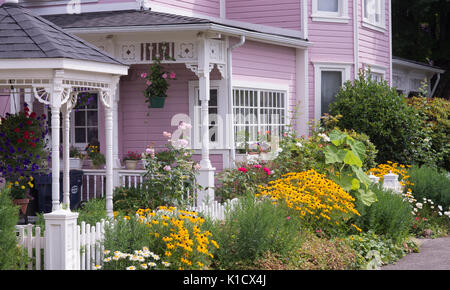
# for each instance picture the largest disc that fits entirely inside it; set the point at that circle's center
(434, 255)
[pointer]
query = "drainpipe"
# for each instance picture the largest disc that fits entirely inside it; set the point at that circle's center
(230, 97)
(435, 85)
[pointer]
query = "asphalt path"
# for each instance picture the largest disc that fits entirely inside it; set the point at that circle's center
(434, 254)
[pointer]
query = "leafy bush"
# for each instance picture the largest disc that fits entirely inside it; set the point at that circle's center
(253, 228)
(92, 211)
(436, 112)
(242, 181)
(376, 110)
(374, 251)
(170, 175)
(430, 183)
(318, 253)
(128, 200)
(11, 257)
(390, 215)
(430, 216)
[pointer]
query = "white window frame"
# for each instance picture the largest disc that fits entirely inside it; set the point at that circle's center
(82, 146)
(376, 71)
(344, 68)
(366, 22)
(264, 86)
(222, 96)
(341, 16)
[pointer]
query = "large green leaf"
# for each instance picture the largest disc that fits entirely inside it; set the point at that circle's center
(357, 147)
(337, 137)
(352, 159)
(334, 155)
(361, 175)
(367, 196)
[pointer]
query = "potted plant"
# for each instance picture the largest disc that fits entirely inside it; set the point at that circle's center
(22, 151)
(131, 160)
(96, 158)
(75, 159)
(157, 84)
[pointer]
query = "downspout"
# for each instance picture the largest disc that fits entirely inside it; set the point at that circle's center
(435, 85)
(230, 122)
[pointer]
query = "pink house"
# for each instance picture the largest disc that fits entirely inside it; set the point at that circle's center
(248, 66)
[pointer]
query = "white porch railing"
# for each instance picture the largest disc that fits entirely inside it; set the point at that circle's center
(94, 181)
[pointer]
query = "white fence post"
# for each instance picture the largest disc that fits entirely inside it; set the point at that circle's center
(62, 252)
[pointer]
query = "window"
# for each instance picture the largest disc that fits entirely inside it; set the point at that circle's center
(374, 14)
(329, 77)
(217, 108)
(85, 122)
(330, 10)
(257, 111)
(375, 72)
(331, 82)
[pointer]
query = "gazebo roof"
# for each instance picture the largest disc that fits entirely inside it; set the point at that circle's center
(24, 35)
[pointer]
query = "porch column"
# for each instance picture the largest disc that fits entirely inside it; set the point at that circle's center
(108, 98)
(206, 174)
(55, 104)
(66, 155)
(115, 116)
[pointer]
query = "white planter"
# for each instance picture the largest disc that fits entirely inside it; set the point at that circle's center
(74, 163)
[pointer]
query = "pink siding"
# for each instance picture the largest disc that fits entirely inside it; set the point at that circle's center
(136, 128)
(281, 13)
(267, 61)
(374, 46)
(207, 7)
(4, 104)
(332, 42)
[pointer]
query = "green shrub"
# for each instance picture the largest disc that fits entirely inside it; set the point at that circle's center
(92, 211)
(430, 216)
(252, 229)
(376, 110)
(430, 183)
(389, 216)
(436, 112)
(243, 180)
(11, 257)
(128, 200)
(374, 251)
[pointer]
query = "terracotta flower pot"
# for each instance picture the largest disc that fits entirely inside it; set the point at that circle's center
(23, 203)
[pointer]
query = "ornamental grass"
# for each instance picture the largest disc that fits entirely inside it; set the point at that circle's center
(319, 201)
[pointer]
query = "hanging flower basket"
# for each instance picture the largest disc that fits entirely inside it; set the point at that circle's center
(157, 102)
(157, 81)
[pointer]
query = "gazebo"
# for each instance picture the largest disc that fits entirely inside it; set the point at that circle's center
(54, 67)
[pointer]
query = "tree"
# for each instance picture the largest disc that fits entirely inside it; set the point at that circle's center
(421, 32)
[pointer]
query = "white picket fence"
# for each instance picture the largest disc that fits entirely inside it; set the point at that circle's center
(88, 240)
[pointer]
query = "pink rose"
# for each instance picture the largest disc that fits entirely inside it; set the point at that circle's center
(150, 151)
(242, 169)
(267, 170)
(172, 75)
(167, 168)
(148, 83)
(257, 166)
(167, 134)
(164, 76)
(143, 75)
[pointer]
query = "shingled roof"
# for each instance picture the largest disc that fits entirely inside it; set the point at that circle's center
(121, 18)
(26, 35)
